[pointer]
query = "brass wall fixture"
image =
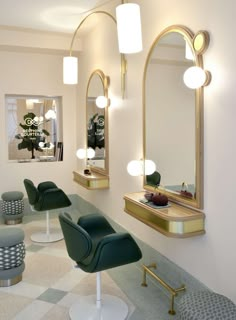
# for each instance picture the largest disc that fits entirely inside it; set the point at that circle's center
(129, 40)
(173, 292)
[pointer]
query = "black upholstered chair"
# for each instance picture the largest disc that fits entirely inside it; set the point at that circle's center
(95, 246)
(45, 197)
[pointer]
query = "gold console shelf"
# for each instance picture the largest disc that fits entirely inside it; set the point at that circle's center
(175, 221)
(93, 181)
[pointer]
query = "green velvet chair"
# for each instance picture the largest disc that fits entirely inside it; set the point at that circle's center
(153, 179)
(95, 246)
(47, 196)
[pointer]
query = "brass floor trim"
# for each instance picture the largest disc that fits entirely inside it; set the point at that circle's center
(173, 292)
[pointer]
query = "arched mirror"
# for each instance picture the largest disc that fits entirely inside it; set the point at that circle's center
(97, 103)
(173, 115)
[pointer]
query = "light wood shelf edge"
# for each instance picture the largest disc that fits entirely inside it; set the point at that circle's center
(176, 221)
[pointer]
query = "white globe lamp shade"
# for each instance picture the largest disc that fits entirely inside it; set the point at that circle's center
(101, 102)
(129, 28)
(70, 70)
(149, 167)
(90, 153)
(134, 168)
(50, 114)
(81, 153)
(194, 77)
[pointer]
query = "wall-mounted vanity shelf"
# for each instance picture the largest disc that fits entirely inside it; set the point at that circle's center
(93, 181)
(175, 221)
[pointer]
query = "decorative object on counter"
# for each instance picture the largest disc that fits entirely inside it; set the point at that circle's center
(87, 171)
(148, 196)
(12, 207)
(12, 254)
(173, 292)
(184, 191)
(47, 196)
(203, 305)
(95, 246)
(160, 199)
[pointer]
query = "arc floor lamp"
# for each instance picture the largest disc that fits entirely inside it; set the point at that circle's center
(129, 33)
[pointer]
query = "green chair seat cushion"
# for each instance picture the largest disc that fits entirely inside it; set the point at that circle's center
(12, 195)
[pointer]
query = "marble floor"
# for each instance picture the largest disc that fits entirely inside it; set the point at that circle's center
(51, 283)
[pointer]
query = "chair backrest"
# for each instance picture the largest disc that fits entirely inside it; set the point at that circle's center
(154, 179)
(32, 192)
(78, 241)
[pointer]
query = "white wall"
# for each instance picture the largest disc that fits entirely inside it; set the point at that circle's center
(36, 74)
(210, 258)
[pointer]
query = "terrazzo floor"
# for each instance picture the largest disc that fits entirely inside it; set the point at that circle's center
(51, 283)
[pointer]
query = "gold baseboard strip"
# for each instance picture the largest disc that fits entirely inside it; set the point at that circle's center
(173, 292)
(10, 282)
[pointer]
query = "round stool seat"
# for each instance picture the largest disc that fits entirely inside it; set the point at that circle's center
(12, 254)
(12, 195)
(11, 236)
(12, 206)
(206, 305)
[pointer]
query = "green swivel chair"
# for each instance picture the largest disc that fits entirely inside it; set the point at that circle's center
(45, 197)
(95, 246)
(153, 179)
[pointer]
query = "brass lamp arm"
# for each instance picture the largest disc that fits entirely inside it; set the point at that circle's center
(123, 68)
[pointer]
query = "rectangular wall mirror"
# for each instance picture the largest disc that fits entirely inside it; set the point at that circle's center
(34, 128)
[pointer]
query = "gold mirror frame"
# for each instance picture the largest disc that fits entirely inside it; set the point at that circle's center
(198, 43)
(105, 81)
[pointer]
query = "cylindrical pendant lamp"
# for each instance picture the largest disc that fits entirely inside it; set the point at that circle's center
(129, 28)
(70, 70)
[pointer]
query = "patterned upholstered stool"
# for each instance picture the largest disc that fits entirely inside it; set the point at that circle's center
(12, 254)
(12, 207)
(206, 305)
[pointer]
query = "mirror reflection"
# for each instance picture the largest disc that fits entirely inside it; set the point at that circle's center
(96, 119)
(170, 131)
(34, 128)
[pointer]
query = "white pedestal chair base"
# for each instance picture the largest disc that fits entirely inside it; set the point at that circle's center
(44, 237)
(112, 308)
(48, 235)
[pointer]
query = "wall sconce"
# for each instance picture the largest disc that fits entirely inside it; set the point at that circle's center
(195, 77)
(129, 28)
(127, 41)
(141, 167)
(102, 102)
(85, 153)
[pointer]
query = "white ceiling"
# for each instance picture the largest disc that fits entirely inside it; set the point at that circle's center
(48, 15)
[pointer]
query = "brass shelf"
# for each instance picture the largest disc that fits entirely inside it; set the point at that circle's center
(175, 221)
(94, 181)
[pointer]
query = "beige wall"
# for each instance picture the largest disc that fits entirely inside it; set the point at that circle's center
(36, 74)
(210, 258)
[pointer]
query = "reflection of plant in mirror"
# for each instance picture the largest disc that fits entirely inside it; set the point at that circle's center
(32, 135)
